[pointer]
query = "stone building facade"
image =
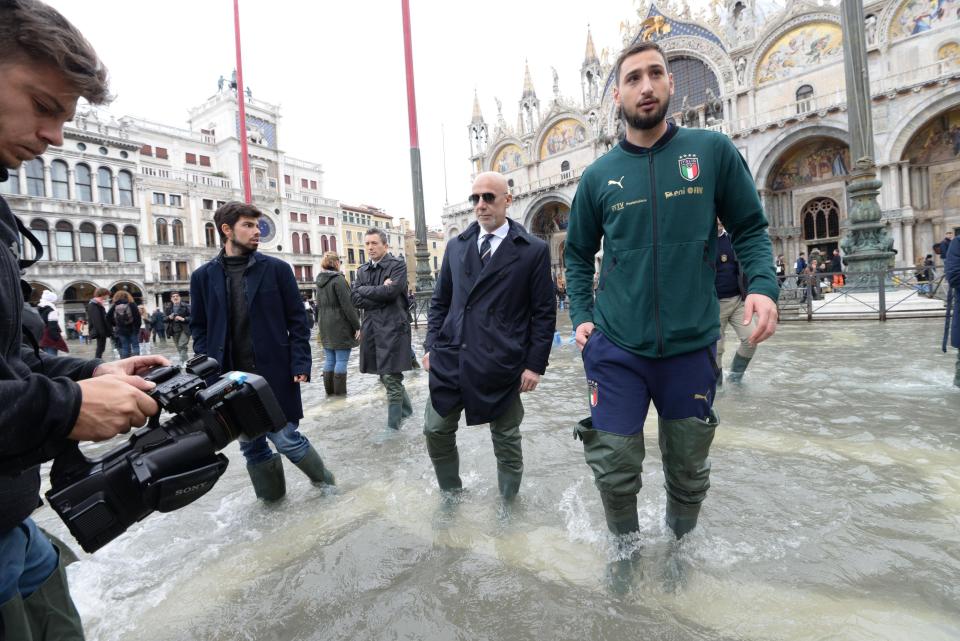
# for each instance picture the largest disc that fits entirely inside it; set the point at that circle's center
(128, 204)
(774, 83)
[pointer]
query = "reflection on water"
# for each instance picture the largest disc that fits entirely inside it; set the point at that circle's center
(833, 513)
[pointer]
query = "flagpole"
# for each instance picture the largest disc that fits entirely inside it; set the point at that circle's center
(245, 158)
(424, 277)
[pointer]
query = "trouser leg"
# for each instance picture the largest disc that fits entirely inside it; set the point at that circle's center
(956, 375)
(396, 395)
(441, 439)
(505, 433)
(745, 350)
(101, 345)
(613, 436)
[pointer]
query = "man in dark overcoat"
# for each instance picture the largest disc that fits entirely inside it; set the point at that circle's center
(380, 290)
(247, 314)
(951, 268)
(100, 327)
(489, 334)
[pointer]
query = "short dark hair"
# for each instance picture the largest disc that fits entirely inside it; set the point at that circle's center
(101, 291)
(31, 31)
(229, 213)
(640, 47)
(379, 232)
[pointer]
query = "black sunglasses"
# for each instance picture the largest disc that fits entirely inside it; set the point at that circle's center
(487, 196)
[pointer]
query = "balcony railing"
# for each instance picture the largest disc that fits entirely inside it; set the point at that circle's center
(894, 83)
(208, 180)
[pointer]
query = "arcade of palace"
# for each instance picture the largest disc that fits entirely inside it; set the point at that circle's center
(776, 86)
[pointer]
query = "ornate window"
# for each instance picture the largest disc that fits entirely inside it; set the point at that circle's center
(306, 244)
(131, 250)
(821, 219)
(108, 241)
(210, 233)
(105, 186)
(178, 233)
(35, 186)
(692, 78)
(64, 236)
(12, 184)
(41, 230)
(58, 179)
(324, 244)
(81, 178)
(296, 243)
(162, 237)
(804, 99)
(125, 182)
(88, 243)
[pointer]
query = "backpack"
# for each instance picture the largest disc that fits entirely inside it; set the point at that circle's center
(123, 315)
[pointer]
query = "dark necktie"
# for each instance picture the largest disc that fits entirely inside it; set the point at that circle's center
(485, 250)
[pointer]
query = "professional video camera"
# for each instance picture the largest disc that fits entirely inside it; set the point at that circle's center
(163, 467)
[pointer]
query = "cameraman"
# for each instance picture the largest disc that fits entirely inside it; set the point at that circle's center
(45, 66)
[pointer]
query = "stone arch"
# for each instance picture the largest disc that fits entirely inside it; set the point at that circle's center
(37, 288)
(788, 138)
(501, 145)
(133, 288)
(548, 126)
(78, 291)
(547, 218)
(776, 31)
(453, 233)
(945, 98)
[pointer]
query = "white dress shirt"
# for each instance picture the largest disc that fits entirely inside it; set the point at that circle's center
(498, 235)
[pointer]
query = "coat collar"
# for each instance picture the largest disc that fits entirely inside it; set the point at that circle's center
(517, 233)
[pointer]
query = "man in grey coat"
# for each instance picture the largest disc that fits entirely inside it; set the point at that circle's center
(380, 290)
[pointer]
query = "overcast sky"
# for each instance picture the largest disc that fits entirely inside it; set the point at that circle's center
(337, 70)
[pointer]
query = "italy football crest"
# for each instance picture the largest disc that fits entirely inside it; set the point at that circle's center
(689, 167)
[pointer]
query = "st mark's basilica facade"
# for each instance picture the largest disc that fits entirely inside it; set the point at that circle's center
(775, 85)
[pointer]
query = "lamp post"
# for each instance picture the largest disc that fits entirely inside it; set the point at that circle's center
(424, 276)
(867, 247)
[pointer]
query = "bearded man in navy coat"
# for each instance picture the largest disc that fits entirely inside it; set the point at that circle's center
(246, 312)
(489, 335)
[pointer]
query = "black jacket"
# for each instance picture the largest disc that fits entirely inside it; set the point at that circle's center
(385, 331)
(488, 324)
(39, 400)
(97, 317)
(176, 327)
(134, 327)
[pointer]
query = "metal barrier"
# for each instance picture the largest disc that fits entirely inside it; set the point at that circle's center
(894, 293)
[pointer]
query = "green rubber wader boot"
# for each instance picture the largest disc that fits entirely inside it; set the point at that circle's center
(339, 384)
(448, 472)
(685, 449)
(328, 383)
(737, 368)
(394, 415)
(267, 478)
(46, 615)
(956, 375)
(509, 483)
(719, 378)
(620, 511)
(617, 463)
(406, 406)
(681, 518)
(312, 465)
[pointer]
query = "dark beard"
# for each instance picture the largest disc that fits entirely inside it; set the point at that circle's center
(245, 250)
(636, 121)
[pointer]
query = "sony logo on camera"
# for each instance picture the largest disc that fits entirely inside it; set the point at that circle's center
(198, 487)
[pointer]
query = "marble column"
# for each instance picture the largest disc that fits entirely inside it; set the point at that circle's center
(115, 188)
(47, 183)
(905, 196)
(908, 243)
(71, 185)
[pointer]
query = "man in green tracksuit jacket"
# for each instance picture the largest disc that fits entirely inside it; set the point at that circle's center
(650, 330)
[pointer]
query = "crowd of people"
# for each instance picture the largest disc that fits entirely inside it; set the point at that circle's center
(647, 323)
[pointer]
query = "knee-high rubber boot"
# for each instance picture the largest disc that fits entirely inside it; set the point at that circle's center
(339, 384)
(508, 481)
(617, 462)
(685, 448)
(328, 383)
(394, 415)
(737, 368)
(312, 465)
(448, 471)
(406, 406)
(267, 478)
(45, 615)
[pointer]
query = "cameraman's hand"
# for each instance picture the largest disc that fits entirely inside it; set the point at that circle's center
(133, 366)
(111, 404)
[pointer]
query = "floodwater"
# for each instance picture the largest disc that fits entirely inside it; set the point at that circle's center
(834, 513)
